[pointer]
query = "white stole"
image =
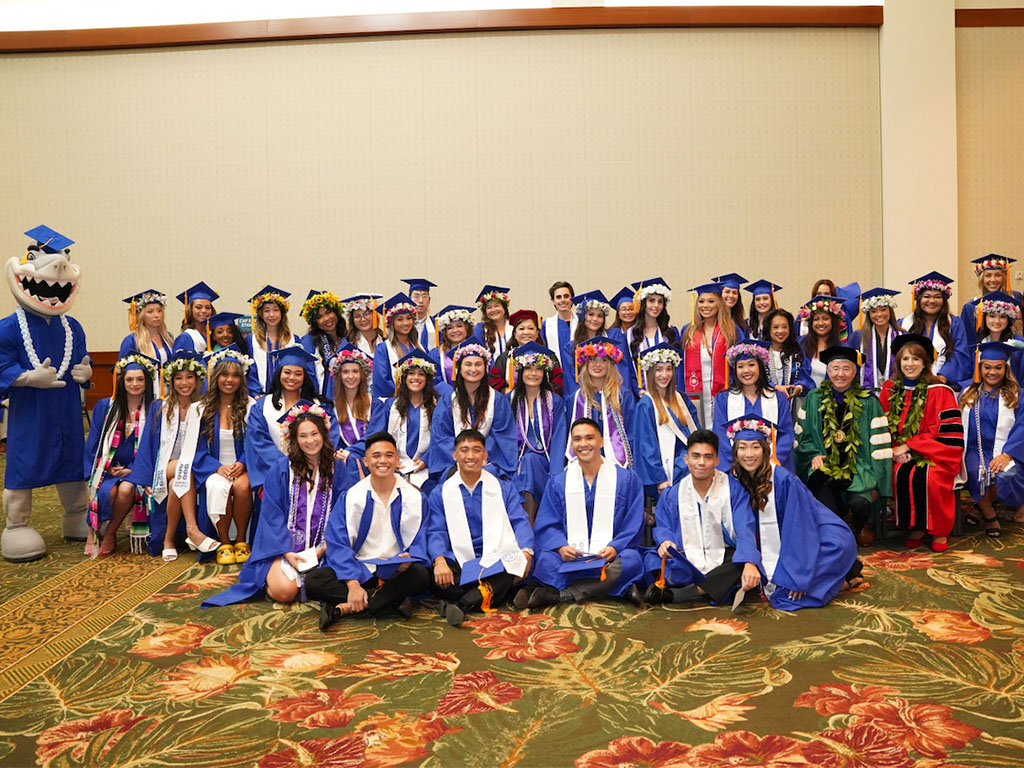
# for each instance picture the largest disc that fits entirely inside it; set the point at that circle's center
(189, 441)
(167, 438)
(499, 539)
(409, 525)
(770, 530)
(398, 428)
(198, 339)
(669, 433)
(700, 523)
(271, 416)
(551, 330)
(603, 529)
(738, 406)
(485, 426)
(1005, 420)
(937, 341)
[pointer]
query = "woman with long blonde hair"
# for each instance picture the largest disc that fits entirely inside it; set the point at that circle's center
(149, 335)
(704, 341)
(270, 333)
(603, 397)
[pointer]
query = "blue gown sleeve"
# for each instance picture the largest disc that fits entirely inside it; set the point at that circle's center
(272, 537)
(417, 548)
(339, 556)
(252, 378)
(379, 411)
(559, 436)
(666, 518)
(960, 360)
(383, 376)
(516, 515)
(629, 498)
(648, 449)
(1014, 445)
(260, 449)
(205, 462)
(149, 446)
(127, 345)
(92, 443)
(442, 436)
(718, 427)
(799, 535)
(785, 435)
(184, 342)
(969, 319)
(438, 542)
(502, 448)
(804, 378)
(745, 523)
(549, 523)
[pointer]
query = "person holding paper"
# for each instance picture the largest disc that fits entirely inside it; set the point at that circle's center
(478, 534)
(376, 543)
(588, 528)
(705, 532)
(298, 493)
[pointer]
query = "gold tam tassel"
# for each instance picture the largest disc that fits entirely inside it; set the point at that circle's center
(488, 594)
(133, 321)
(660, 583)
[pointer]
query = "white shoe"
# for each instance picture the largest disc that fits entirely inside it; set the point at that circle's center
(170, 555)
(206, 545)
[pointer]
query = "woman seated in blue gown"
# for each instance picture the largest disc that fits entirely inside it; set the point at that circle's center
(298, 494)
(808, 554)
(114, 436)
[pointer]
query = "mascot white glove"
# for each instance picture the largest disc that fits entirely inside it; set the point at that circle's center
(82, 372)
(42, 377)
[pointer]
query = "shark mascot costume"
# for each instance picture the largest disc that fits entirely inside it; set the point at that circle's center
(43, 364)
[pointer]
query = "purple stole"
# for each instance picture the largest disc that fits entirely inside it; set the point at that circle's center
(868, 369)
(318, 517)
(614, 434)
(524, 430)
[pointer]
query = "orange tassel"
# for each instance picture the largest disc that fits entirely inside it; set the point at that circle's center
(209, 348)
(373, 312)
(132, 320)
(977, 366)
(604, 571)
(860, 315)
(488, 593)
(775, 453)
(510, 374)
(160, 373)
(979, 318)
(437, 333)
(113, 379)
(660, 583)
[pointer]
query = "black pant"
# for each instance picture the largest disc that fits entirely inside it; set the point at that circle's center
(323, 584)
(468, 596)
(833, 494)
(722, 580)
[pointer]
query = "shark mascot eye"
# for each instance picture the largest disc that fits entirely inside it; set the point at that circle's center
(43, 365)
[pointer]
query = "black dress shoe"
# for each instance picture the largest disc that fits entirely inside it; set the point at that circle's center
(442, 608)
(522, 598)
(329, 614)
(542, 597)
(634, 596)
(454, 614)
(405, 608)
(655, 595)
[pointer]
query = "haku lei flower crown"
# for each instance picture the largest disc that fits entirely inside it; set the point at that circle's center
(313, 303)
(230, 354)
(1004, 308)
(654, 289)
(399, 309)
(534, 360)
(878, 301)
(589, 350)
(313, 409)
(133, 359)
(184, 364)
(149, 297)
(356, 356)
(932, 285)
(367, 304)
(996, 262)
(832, 306)
(755, 424)
(650, 359)
(736, 351)
(277, 298)
(469, 350)
(418, 363)
(583, 306)
(493, 296)
(447, 318)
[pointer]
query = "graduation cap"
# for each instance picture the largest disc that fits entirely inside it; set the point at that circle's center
(997, 351)
(49, 240)
(660, 353)
(878, 297)
(316, 299)
(269, 293)
(591, 300)
(991, 261)
(398, 304)
(999, 303)
(763, 288)
(730, 280)
(415, 359)
(418, 284)
(198, 291)
(222, 319)
(707, 288)
(493, 293)
(136, 361)
(303, 408)
(230, 352)
(626, 294)
(472, 347)
(347, 353)
(650, 287)
(913, 338)
(933, 281)
(749, 349)
(533, 354)
(450, 314)
(148, 296)
(840, 352)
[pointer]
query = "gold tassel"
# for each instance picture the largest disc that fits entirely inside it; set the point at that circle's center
(604, 571)
(132, 319)
(636, 302)
(977, 366)
(510, 375)
(775, 304)
(373, 312)
(488, 593)
(161, 373)
(775, 453)
(860, 314)
(437, 332)
(252, 316)
(660, 583)
(639, 370)
(209, 347)
(979, 318)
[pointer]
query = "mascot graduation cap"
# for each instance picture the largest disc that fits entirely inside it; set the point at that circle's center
(43, 365)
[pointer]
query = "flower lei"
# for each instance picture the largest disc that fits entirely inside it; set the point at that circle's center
(266, 298)
(583, 306)
(650, 359)
(313, 409)
(218, 357)
(313, 303)
(149, 297)
(654, 289)
(878, 301)
(605, 349)
(914, 415)
(363, 304)
(744, 349)
(353, 355)
(134, 359)
(399, 309)
(997, 262)
(833, 307)
(841, 464)
(755, 424)
(184, 364)
(469, 350)
(30, 348)
(534, 360)
(493, 296)
(1004, 308)
(447, 318)
(932, 285)
(403, 368)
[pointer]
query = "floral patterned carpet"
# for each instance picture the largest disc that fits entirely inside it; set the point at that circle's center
(112, 663)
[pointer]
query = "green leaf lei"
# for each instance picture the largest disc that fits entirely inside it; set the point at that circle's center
(841, 464)
(914, 415)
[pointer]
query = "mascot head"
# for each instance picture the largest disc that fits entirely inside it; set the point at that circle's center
(44, 280)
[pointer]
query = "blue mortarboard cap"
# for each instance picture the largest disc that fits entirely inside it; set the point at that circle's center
(531, 348)
(269, 289)
(396, 302)
(492, 289)
(658, 349)
(295, 355)
(135, 366)
(313, 292)
(762, 287)
(748, 354)
(456, 308)
(650, 281)
(626, 294)
(418, 284)
(876, 293)
(748, 427)
(730, 280)
(470, 342)
(198, 291)
(937, 277)
(187, 354)
(991, 261)
(148, 296)
(417, 357)
(581, 299)
(999, 296)
(995, 350)
(223, 318)
(707, 288)
(50, 240)
(357, 297)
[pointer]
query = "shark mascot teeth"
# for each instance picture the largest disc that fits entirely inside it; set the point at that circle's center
(43, 365)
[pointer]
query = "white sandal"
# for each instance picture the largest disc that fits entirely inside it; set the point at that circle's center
(206, 545)
(170, 555)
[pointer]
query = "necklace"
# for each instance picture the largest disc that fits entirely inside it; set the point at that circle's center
(30, 348)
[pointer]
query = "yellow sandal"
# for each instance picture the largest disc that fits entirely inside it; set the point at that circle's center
(242, 552)
(226, 555)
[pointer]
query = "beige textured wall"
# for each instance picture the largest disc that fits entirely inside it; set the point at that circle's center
(990, 141)
(509, 158)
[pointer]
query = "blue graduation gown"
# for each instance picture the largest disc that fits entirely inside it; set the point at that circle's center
(628, 405)
(188, 342)
(341, 551)
(380, 414)
(439, 542)
(444, 377)
(142, 474)
(324, 387)
(123, 455)
(969, 317)
(536, 466)
(44, 427)
(252, 376)
(647, 460)
(988, 403)
(261, 450)
(817, 547)
(784, 434)
(383, 374)
(206, 463)
(680, 573)
(563, 342)
(500, 440)
(551, 529)
(272, 537)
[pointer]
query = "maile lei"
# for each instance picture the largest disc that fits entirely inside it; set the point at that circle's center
(914, 415)
(842, 439)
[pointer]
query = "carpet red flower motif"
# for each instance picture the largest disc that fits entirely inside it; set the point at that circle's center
(637, 752)
(76, 735)
(323, 708)
(477, 692)
(743, 748)
(838, 698)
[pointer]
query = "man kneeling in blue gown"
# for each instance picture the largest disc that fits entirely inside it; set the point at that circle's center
(478, 535)
(376, 543)
(588, 528)
(705, 531)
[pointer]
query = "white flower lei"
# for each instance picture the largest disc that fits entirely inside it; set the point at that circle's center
(658, 289)
(184, 364)
(652, 358)
(235, 355)
(30, 348)
(447, 318)
(878, 301)
(131, 359)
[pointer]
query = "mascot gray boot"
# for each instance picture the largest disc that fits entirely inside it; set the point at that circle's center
(75, 500)
(19, 542)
